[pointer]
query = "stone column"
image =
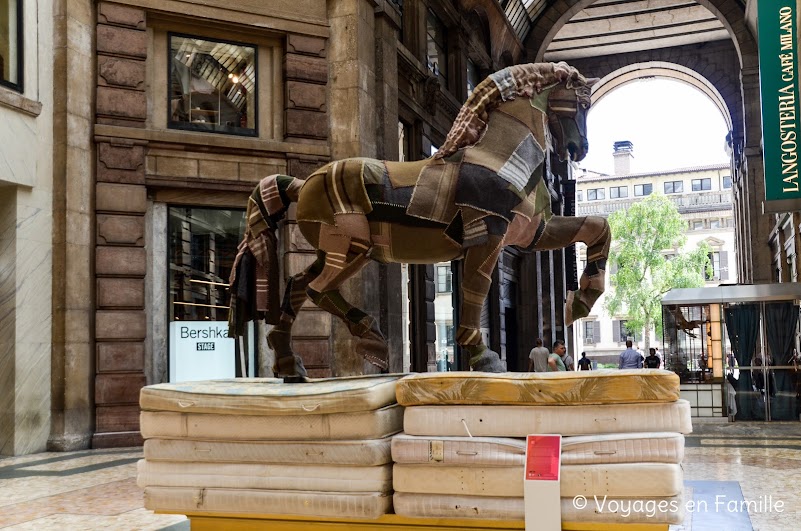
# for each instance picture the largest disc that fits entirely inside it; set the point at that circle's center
(352, 90)
(72, 359)
(758, 227)
(120, 207)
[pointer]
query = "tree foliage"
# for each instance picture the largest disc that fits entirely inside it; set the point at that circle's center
(642, 237)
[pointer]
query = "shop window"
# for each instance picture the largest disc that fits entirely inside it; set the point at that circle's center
(202, 246)
(212, 86)
(11, 44)
(437, 47)
(726, 181)
(444, 279)
(617, 192)
(641, 190)
(700, 185)
(596, 194)
(674, 187)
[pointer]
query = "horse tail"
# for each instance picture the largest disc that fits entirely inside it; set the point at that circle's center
(267, 205)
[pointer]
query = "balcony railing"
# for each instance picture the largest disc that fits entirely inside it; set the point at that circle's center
(685, 203)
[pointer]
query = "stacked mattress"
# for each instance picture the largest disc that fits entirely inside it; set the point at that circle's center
(259, 446)
(462, 452)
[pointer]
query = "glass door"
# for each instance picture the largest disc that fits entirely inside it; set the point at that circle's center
(202, 246)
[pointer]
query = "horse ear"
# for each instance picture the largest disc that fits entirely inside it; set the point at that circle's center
(592, 81)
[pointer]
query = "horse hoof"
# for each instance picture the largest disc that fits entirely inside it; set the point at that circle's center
(375, 351)
(575, 309)
(290, 366)
(487, 361)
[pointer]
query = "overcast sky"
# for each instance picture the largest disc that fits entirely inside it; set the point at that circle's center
(671, 124)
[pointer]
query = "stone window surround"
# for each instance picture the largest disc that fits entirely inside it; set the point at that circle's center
(15, 101)
(269, 72)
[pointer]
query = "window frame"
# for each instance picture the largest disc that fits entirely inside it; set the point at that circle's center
(673, 187)
(701, 182)
(447, 278)
(617, 189)
(182, 126)
(642, 189)
(589, 332)
(440, 72)
(19, 86)
(595, 192)
(724, 182)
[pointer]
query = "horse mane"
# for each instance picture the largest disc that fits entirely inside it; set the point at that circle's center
(507, 84)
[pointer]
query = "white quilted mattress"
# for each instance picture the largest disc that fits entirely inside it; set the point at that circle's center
(270, 396)
(243, 501)
(361, 425)
(609, 510)
(464, 451)
(660, 447)
(369, 452)
(620, 479)
(322, 478)
(519, 421)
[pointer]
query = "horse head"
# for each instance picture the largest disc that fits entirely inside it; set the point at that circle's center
(568, 103)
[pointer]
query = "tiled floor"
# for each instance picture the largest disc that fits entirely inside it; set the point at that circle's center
(739, 475)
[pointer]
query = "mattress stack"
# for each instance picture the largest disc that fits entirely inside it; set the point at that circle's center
(462, 452)
(261, 446)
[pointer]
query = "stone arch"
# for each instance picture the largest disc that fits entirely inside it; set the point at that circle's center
(633, 72)
(479, 22)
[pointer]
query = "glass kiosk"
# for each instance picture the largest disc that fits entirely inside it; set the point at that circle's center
(736, 349)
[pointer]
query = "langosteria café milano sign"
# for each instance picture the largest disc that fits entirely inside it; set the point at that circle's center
(778, 76)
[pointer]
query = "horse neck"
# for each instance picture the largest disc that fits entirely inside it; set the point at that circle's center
(521, 110)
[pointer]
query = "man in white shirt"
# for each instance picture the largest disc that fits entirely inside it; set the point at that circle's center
(538, 357)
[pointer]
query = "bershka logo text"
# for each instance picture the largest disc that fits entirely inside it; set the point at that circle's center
(204, 333)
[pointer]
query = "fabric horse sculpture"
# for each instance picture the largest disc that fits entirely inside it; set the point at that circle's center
(483, 190)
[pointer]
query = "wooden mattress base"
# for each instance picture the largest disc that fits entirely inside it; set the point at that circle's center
(388, 522)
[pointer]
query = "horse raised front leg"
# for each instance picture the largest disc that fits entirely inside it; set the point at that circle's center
(478, 265)
(287, 363)
(594, 232)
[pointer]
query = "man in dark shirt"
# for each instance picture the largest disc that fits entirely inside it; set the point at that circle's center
(652, 361)
(585, 364)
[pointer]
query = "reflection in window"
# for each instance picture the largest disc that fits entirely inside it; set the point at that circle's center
(473, 76)
(674, 187)
(596, 194)
(702, 184)
(212, 86)
(616, 192)
(11, 43)
(437, 47)
(643, 189)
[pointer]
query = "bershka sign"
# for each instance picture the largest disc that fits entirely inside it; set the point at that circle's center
(201, 350)
(778, 77)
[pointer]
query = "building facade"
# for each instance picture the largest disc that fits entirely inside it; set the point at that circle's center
(703, 197)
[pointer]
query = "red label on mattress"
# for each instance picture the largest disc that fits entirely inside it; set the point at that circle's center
(543, 457)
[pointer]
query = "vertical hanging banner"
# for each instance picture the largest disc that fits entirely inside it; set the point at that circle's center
(778, 80)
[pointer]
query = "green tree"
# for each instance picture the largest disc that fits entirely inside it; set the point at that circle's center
(640, 237)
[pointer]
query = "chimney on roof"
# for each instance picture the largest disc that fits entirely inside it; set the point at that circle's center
(623, 155)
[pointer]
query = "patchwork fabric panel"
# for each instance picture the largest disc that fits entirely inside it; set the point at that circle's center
(435, 193)
(404, 173)
(336, 188)
(521, 164)
(481, 188)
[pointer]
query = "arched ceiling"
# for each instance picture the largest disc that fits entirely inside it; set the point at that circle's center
(609, 27)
